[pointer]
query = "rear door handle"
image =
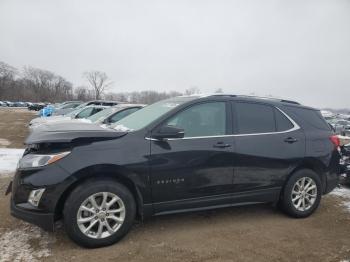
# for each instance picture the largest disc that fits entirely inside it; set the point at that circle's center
(290, 140)
(221, 145)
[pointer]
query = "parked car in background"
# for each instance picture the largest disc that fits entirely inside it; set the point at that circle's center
(104, 118)
(180, 154)
(36, 106)
(76, 114)
(65, 108)
(9, 104)
(19, 104)
(341, 126)
(81, 105)
(113, 114)
(3, 104)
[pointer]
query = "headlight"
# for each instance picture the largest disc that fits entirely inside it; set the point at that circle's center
(34, 160)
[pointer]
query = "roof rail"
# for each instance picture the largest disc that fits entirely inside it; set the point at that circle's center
(258, 97)
(290, 101)
(272, 98)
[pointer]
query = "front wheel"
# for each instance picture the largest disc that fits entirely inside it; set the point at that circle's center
(99, 213)
(302, 194)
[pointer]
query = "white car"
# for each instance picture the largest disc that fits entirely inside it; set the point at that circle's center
(80, 113)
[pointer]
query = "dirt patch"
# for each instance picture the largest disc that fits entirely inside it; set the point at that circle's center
(13, 126)
(250, 233)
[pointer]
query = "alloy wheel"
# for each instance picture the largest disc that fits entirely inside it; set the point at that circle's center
(304, 193)
(101, 215)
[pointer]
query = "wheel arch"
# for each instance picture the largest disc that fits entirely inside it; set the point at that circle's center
(113, 172)
(312, 164)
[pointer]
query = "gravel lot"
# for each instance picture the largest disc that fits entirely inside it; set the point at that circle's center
(250, 233)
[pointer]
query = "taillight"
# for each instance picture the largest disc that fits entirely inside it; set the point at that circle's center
(335, 140)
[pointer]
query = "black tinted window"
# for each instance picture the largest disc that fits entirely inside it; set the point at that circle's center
(282, 121)
(312, 118)
(207, 119)
(255, 118)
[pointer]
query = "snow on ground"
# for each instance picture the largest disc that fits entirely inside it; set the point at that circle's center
(344, 194)
(8, 159)
(4, 142)
(25, 243)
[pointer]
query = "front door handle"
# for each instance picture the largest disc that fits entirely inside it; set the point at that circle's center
(221, 145)
(290, 140)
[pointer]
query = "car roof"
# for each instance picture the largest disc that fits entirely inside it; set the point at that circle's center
(102, 101)
(128, 105)
(95, 106)
(259, 99)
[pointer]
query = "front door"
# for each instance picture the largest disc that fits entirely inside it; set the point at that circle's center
(197, 170)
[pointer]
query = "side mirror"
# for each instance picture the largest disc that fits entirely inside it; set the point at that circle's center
(168, 132)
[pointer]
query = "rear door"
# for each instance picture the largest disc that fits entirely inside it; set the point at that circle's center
(268, 145)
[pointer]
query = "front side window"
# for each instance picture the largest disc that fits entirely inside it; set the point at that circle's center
(207, 119)
(254, 118)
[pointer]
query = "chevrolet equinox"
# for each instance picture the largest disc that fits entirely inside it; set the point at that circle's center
(181, 154)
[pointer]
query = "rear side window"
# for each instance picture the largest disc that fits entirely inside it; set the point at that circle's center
(282, 122)
(254, 118)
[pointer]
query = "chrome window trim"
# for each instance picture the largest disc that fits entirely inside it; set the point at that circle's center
(294, 128)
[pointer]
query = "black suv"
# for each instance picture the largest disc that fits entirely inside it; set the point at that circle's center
(180, 154)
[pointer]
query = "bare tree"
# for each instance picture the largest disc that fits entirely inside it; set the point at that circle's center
(45, 85)
(82, 93)
(192, 90)
(99, 82)
(142, 97)
(7, 79)
(7, 71)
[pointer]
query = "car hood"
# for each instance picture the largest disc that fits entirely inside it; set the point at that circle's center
(62, 111)
(65, 132)
(42, 120)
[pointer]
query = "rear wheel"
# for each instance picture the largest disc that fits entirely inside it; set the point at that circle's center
(302, 194)
(99, 213)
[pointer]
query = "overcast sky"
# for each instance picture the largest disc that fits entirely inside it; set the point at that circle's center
(293, 49)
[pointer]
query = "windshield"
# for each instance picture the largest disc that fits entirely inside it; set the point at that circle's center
(148, 114)
(82, 105)
(74, 112)
(100, 115)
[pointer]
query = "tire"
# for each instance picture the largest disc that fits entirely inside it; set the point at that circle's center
(119, 223)
(286, 201)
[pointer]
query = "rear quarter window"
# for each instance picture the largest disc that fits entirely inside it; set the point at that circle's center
(312, 117)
